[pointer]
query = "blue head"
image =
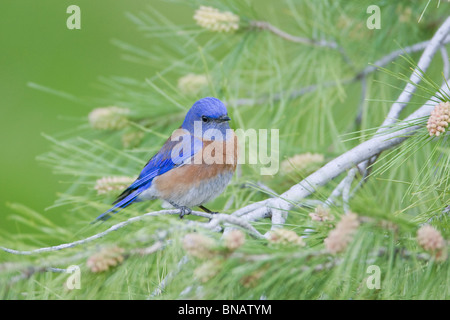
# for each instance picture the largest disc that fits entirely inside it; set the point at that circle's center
(208, 112)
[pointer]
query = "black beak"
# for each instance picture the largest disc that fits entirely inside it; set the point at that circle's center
(224, 118)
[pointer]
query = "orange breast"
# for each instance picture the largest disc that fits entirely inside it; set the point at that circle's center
(216, 158)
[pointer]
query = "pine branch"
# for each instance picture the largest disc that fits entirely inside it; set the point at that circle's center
(359, 76)
(264, 25)
(215, 221)
(365, 151)
(424, 62)
(445, 61)
(405, 96)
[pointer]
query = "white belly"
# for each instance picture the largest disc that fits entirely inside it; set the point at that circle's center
(194, 196)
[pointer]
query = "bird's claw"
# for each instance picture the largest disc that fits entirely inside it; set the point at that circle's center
(212, 214)
(184, 211)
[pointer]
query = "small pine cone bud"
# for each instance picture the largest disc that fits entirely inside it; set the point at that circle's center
(251, 280)
(110, 184)
(109, 118)
(431, 240)
(105, 259)
(339, 238)
(132, 139)
(207, 270)
(439, 119)
(198, 245)
(301, 162)
(321, 214)
(192, 84)
(286, 237)
(215, 20)
(404, 13)
(234, 239)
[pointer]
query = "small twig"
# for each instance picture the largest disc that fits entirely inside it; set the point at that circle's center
(249, 208)
(278, 219)
(91, 238)
(158, 245)
(29, 271)
(335, 194)
(346, 188)
(292, 95)
(403, 253)
(259, 186)
(219, 218)
(343, 188)
(229, 202)
(164, 282)
(446, 62)
(439, 216)
(362, 101)
(446, 210)
(385, 60)
(264, 25)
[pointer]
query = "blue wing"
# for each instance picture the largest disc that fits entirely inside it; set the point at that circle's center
(173, 154)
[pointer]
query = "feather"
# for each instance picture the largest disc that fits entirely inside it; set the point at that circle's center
(176, 151)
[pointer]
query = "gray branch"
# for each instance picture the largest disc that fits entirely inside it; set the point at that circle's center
(215, 220)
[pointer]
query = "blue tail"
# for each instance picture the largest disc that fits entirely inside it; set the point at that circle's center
(159, 164)
(121, 203)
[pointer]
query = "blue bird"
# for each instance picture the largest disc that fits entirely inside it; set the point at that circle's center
(194, 165)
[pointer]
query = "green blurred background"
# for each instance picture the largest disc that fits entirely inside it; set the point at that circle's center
(37, 47)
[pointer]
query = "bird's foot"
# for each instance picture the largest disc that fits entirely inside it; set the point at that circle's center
(184, 211)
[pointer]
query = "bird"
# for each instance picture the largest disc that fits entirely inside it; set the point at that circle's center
(194, 165)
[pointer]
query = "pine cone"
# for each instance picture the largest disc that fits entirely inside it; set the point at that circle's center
(105, 259)
(215, 20)
(439, 119)
(339, 238)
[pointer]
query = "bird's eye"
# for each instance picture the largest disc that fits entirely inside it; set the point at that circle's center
(204, 118)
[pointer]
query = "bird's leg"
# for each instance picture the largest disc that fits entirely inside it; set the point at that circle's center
(183, 209)
(207, 210)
